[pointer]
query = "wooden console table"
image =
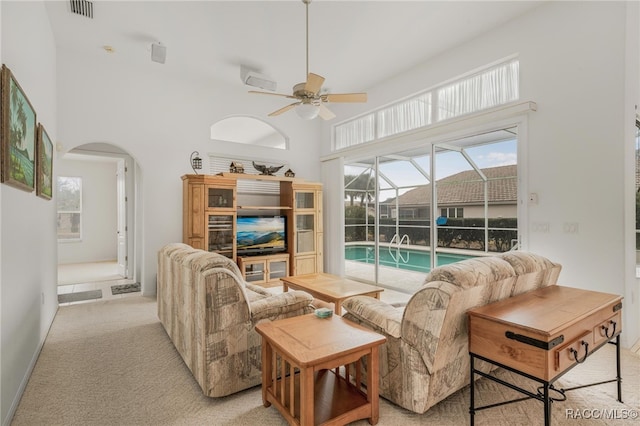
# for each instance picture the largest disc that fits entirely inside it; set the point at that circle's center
(298, 355)
(541, 335)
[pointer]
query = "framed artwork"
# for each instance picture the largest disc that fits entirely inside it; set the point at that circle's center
(17, 134)
(44, 164)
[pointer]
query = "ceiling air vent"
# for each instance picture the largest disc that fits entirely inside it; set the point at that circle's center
(82, 8)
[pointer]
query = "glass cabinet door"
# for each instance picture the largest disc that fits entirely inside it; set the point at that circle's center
(219, 197)
(305, 233)
(305, 200)
(220, 234)
(278, 269)
(255, 272)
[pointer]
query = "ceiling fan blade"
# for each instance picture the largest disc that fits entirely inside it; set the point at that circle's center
(344, 97)
(325, 113)
(283, 109)
(314, 83)
(273, 94)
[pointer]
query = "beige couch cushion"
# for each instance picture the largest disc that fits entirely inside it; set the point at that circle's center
(428, 360)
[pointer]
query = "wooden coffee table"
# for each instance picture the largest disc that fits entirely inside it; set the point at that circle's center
(298, 358)
(330, 288)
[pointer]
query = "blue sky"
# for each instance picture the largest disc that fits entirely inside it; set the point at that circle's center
(403, 173)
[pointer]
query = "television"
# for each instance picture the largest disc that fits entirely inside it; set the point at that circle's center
(257, 235)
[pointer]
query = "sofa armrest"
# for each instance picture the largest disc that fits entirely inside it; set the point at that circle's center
(282, 305)
(375, 313)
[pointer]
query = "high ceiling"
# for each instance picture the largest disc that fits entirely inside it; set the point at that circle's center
(353, 44)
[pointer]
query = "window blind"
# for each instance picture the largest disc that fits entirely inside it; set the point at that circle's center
(494, 86)
(219, 164)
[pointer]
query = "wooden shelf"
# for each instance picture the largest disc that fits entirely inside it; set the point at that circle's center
(334, 397)
(264, 208)
(259, 177)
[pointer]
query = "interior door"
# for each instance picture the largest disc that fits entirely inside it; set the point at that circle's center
(122, 218)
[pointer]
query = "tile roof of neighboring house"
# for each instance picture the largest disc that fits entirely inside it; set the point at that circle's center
(467, 188)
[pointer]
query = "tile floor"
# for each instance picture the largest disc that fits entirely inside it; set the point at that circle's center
(74, 278)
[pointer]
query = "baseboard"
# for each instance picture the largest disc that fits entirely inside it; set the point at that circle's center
(23, 384)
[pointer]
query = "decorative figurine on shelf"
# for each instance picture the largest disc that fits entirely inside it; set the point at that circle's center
(289, 173)
(236, 167)
(266, 170)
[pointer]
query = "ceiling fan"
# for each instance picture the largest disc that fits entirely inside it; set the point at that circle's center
(309, 101)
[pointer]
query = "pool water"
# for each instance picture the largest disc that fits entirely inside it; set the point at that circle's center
(410, 259)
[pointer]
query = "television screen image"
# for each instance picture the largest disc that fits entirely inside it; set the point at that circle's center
(260, 234)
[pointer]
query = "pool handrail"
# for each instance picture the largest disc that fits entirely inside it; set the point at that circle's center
(395, 259)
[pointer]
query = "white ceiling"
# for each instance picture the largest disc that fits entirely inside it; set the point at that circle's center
(353, 44)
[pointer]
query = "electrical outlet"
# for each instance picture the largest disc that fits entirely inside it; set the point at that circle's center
(570, 227)
(542, 227)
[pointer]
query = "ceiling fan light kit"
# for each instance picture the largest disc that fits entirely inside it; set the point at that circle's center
(309, 102)
(308, 111)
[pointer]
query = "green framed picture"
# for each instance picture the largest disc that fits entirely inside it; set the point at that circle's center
(17, 135)
(44, 164)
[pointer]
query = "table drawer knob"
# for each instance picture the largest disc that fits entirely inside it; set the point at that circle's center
(606, 329)
(575, 352)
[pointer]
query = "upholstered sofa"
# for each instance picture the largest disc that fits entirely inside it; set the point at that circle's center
(425, 358)
(210, 314)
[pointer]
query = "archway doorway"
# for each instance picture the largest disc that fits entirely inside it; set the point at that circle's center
(95, 196)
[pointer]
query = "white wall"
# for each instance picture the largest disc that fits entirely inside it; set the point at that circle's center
(159, 119)
(572, 64)
(99, 211)
(28, 275)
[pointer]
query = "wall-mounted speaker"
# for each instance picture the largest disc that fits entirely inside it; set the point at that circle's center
(158, 53)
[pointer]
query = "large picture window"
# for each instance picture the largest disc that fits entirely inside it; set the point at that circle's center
(410, 211)
(69, 199)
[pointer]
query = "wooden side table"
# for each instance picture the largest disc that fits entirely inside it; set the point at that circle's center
(302, 358)
(541, 335)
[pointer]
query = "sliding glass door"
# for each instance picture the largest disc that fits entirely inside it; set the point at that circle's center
(410, 211)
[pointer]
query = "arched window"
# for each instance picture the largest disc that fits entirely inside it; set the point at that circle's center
(248, 130)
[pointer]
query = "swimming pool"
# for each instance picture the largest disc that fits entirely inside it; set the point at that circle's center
(403, 258)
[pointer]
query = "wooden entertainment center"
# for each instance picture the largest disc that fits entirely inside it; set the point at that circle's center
(212, 204)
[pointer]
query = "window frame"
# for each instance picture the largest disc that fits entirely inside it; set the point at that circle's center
(79, 211)
(637, 192)
(366, 128)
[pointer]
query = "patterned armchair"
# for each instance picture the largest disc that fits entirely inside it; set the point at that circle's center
(210, 314)
(426, 357)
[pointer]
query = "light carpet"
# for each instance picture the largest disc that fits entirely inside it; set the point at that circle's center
(111, 363)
